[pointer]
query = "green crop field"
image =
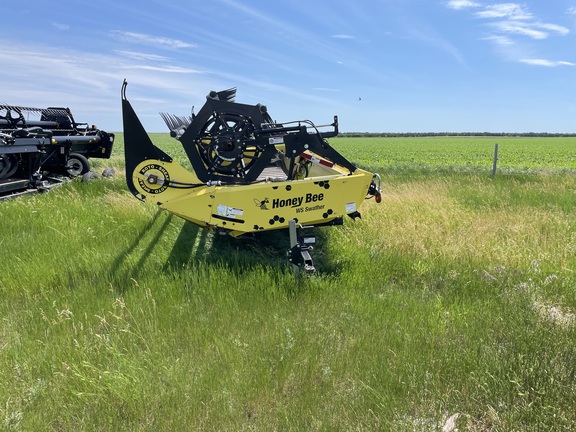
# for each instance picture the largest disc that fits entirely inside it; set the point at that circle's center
(452, 304)
(426, 155)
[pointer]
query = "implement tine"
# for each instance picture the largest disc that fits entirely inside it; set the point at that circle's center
(168, 120)
(175, 122)
(53, 111)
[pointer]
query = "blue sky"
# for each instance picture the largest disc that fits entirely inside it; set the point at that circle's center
(387, 65)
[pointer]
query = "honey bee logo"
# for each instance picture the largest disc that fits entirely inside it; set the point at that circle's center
(261, 203)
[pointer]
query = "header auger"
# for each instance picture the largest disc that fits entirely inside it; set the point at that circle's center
(250, 174)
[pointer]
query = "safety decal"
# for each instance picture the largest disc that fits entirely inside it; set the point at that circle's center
(229, 212)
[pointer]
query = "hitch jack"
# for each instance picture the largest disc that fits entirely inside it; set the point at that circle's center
(300, 247)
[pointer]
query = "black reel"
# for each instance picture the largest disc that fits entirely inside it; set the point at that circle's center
(11, 116)
(227, 145)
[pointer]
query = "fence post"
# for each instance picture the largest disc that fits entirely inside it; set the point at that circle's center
(495, 159)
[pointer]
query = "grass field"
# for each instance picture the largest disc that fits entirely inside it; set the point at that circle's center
(454, 300)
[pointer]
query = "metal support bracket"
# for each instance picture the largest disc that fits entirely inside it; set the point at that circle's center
(300, 247)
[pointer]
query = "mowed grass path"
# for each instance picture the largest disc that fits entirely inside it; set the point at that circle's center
(455, 297)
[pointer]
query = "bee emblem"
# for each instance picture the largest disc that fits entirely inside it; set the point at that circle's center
(261, 204)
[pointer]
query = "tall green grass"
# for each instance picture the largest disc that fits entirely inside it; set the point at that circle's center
(455, 295)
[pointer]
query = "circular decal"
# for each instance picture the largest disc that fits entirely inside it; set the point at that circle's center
(153, 179)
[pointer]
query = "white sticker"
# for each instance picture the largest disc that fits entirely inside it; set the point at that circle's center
(230, 212)
(276, 140)
(350, 207)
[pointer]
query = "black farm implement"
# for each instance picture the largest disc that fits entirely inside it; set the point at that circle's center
(38, 145)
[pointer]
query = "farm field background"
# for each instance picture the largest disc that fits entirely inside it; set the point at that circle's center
(473, 154)
(451, 302)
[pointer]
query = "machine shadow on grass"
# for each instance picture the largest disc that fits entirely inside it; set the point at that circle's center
(194, 247)
(116, 271)
(197, 246)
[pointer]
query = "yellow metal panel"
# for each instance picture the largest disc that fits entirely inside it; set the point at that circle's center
(242, 209)
(268, 206)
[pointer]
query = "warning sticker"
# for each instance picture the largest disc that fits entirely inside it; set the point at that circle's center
(350, 207)
(230, 212)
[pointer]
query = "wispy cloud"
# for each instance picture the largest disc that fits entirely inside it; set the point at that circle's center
(534, 30)
(309, 40)
(462, 4)
(500, 40)
(505, 10)
(516, 19)
(60, 26)
(431, 37)
(167, 69)
(90, 84)
(510, 23)
(145, 39)
(547, 63)
(134, 55)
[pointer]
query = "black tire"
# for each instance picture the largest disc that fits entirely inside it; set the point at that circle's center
(77, 165)
(8, 165)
